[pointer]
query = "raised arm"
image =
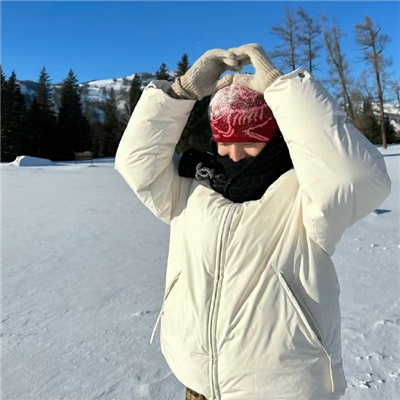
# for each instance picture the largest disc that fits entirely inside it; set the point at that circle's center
(342, 176)
(145, 156)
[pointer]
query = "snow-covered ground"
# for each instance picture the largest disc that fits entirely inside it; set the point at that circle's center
(83, 273)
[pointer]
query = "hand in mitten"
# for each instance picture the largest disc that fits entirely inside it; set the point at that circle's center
(203, 78)
(265, 71)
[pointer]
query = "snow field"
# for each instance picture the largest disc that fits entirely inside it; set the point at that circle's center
(83, 271)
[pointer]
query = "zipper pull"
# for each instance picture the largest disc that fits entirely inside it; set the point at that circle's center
(226, 187)
(153, 334)
(168, 291)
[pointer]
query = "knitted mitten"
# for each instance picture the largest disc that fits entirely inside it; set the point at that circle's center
(265, 71)
(203, 78)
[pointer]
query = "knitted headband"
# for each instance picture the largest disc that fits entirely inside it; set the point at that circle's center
(239, 114)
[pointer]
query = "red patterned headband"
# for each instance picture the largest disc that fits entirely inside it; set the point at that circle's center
(239, 114)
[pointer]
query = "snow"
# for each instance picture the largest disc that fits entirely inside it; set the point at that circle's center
(26, 91)
(83, 272)
(108, 83)
(367, 262)
(28, 161)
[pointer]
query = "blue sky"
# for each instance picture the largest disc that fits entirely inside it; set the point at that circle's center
(101, 40)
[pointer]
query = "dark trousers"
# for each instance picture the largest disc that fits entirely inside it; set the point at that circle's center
(192, 395)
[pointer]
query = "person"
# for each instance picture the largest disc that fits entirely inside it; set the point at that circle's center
(251, 305)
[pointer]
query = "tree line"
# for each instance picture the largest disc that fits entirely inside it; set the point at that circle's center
(57, 129)
(44, 129)
(305, 41)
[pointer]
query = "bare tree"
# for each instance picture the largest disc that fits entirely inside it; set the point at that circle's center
(309, 38)
(338, 65)
(372, 43)
(365, 85)
(288, 51)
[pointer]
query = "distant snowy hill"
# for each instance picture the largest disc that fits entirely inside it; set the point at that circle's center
(96, 92)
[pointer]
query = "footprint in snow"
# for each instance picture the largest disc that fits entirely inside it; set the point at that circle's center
(139, 314)
(389, 321)
(361, 383)
(148, 380)
(364, 358)
(394, 374)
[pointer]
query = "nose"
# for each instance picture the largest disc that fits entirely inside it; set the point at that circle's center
(236, 153)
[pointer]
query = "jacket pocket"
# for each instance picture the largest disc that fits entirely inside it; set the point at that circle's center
(308, 322)
(167, 293)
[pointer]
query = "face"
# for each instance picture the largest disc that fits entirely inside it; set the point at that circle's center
(239, 151)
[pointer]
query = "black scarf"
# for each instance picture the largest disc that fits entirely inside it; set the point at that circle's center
(241, 181)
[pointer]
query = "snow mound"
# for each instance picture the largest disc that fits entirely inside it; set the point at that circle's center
(391, 150)
(28, 161)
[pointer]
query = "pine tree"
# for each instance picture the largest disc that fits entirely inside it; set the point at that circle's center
(13, 114)
(41, 118)
(44, 92)
(34, 142)
(162, 73)
(111, 132)
(5, 134)
(366, 121)
(73, 127)
(135, 91)
(3, 100)
(3, 85)
(183, 65)
(390, 132)
(197, 132)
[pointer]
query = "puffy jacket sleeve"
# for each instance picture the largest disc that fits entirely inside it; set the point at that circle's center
(342, 176)
(145, 155)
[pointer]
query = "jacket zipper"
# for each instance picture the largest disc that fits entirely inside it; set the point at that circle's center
(310, 324)
(215, 395)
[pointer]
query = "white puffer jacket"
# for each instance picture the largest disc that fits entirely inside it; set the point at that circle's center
(251, 308)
